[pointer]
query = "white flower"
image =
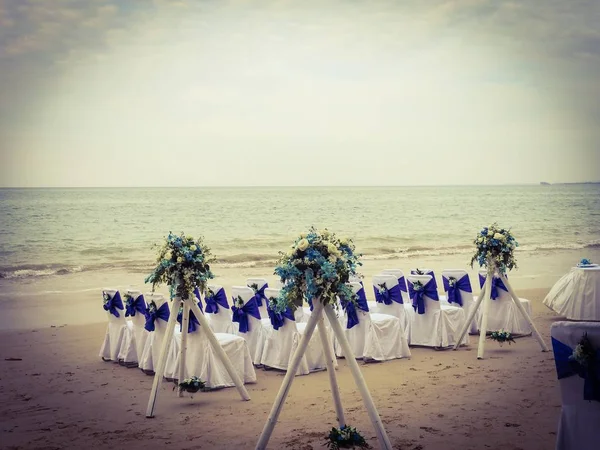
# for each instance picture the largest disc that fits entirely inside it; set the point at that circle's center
(324, 233)
(499, 236)
(303, 244)
(179, 259)
(168, 255)
(193, 248)
(344, 241)
(332, 259)
(480, 240)
(332, 249)
(303, 235)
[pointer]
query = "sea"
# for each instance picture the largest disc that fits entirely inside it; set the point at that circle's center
(69, 243)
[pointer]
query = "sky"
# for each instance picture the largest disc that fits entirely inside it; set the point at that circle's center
(268, 93)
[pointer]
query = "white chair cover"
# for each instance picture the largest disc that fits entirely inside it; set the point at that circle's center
(202, 361)
(503, 313)
(375, 336)
(152, 347)
(466, 297)
(133, 343)
(579, 423)
(258, 286)
(281, 344)
(405, 314)
(576, 295)
(215, 311)
(115, 332)
(409, 310)
(438, 326)
(254, 334)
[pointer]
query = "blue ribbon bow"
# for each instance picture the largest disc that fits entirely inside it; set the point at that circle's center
(259, 295)
(388, 295)
(496, 283)
(462, 284)
(426, 272)
(193, 323)
(213, 301)
(114, 302)
(197, 294)
(350, 307)
(278, 319)
(161, 313)
(240, 315)
(138, 304)
(418, 302)
(402, 284)
(566, 367)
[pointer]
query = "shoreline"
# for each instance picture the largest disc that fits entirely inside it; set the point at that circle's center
(62, 395)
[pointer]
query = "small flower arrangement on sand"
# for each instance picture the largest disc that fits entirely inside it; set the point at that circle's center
(345, 437)
(501, 337)
(495, 249)
(191, 385)
(318, 266)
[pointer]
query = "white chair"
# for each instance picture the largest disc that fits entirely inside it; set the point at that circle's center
(433, 326)
(410, 312)
(115, 332)
(389, 300)
(156, 324)
(135, 335)
(461, 294)
(217, 310)
(245, 312)
(372, 336)
(258, 286)
(503, 314)
(578, 426)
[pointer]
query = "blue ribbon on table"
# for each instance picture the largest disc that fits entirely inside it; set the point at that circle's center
(388, 296)
(114, 302)
(462, 284)
(240, 315)
(496, 284)
(350, 307)
(193, 323)
(259, 295)
(278, 319)
(213, 301)
(426, 272)
(138, 304)
(160, 313)
(566, 367)
(418, 302)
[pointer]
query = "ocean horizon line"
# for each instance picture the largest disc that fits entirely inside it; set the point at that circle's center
(302, 186)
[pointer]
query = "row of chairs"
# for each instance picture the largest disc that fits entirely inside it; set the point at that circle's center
(401, 314)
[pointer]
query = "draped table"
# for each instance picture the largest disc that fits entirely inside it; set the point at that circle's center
(576, 296)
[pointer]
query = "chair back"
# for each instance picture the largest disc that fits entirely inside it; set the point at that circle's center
(219, 304)
(401, 282)
(499, 291)
(113, 305)
(426, 272)
(389, 283)
(431, 305)
(463, 287)
(136, 309)
(288, 318)
(258, 286)
(243, 298)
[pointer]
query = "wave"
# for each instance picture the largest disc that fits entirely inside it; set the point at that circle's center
(269, 259)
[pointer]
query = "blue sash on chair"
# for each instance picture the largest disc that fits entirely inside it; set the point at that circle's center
(138, 304)
(193, 323)
(566, 367)
(278, 319)
(387, 296)
(197, 294)
(112, 303)
(240, 315)
(259, 295)
(350, 307)
(462, 284)
(418, 301)
(496, 283)
(213, 301)
(160, 313)
(426, 272)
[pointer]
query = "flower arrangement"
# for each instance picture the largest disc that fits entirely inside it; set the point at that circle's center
(585, 262)
(495, 249)
(452, 281)
(584, 353)
(317, 266)
(238, 301)
(417, 286)
(382, 288)
(501, 337)
(345, 437)
(419, 272)
(183, 264)
(191, 385)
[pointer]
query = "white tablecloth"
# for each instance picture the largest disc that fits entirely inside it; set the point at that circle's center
(576, 295)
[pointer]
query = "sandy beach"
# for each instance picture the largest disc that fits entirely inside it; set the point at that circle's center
(57, 393)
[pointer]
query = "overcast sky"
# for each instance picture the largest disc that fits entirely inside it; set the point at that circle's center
(205, 93)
